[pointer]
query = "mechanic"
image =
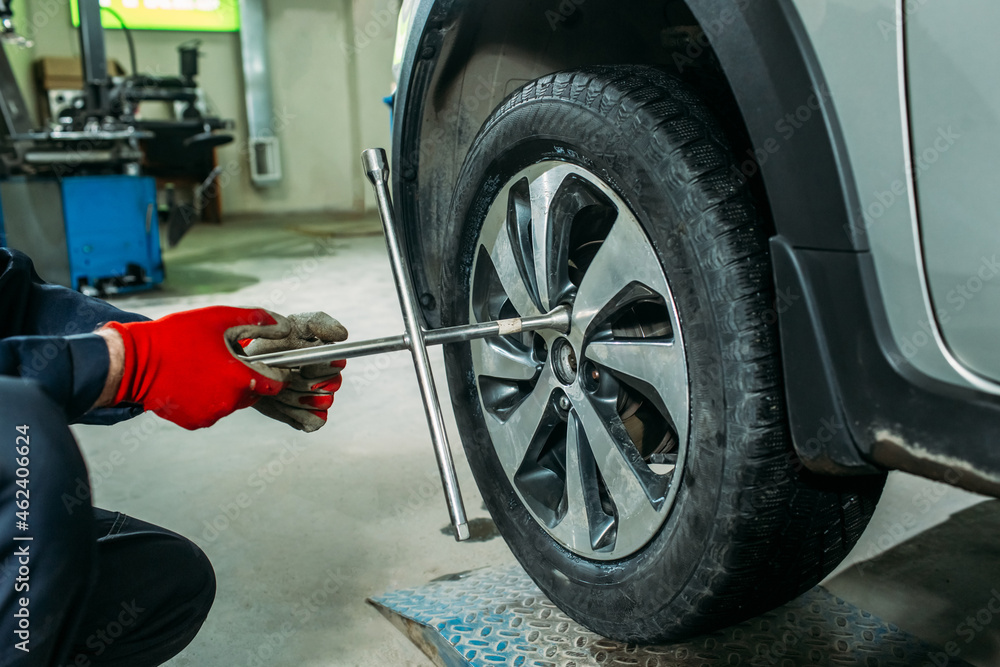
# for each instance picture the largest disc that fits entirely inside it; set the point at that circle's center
(85, 586)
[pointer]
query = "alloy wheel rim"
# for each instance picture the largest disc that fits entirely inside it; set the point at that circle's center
(591, 427)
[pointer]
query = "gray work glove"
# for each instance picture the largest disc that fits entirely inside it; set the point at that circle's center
(303, 404)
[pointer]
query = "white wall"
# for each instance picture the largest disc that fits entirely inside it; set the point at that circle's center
(373, 38)
(309, 46)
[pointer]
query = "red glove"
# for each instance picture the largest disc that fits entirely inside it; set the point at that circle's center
(184, 366)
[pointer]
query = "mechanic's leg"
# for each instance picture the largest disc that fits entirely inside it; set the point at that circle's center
(45, 575)
(153, 592)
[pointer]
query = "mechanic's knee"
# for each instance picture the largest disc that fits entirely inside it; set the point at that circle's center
(187, 591)
(156, 611)
(196, 582)
(179, 615)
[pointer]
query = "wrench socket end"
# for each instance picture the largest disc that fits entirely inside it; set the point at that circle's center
(462, 532)
(376, 165)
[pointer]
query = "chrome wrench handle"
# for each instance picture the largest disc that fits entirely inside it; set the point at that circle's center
(377, 169)
(557, 320)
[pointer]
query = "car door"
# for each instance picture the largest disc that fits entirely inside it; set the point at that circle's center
(954, 110)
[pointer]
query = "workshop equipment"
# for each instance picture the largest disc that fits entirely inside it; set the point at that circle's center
(416, 339)
(97, 234)
(79, 195)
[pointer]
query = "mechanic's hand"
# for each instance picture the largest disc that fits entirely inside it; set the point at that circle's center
(187, 369)
(303, 404)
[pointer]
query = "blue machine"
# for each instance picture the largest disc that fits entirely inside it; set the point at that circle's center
(97, 234)
(112, 231)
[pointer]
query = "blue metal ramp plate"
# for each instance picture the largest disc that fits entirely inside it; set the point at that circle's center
(495, 617)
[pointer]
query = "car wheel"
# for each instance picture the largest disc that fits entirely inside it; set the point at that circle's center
(639, 467)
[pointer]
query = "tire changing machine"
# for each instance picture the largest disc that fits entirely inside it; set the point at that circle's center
(73, 196)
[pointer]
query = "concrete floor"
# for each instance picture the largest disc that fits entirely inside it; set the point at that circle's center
(356, 508)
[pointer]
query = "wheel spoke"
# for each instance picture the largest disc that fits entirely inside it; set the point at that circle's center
(575, 526)
(592, 526)
(606, 442)
(657, 367)
(547, 233)
(500, 359)
(507, 271)
(625, 258)
(513, 437)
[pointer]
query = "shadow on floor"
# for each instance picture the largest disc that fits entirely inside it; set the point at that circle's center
(480, 530)
(942, 585)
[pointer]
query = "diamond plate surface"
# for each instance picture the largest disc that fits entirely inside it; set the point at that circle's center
(495, 617)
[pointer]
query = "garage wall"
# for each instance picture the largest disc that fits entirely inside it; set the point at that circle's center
(20, 61)
(330, 68)
(373, 39)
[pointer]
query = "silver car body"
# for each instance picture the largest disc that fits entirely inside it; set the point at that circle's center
(920, 123)
(890, 99)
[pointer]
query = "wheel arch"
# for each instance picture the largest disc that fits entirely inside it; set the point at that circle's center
(761, 51)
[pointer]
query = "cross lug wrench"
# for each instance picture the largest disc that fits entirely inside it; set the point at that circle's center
(377, 170)
(416, 340)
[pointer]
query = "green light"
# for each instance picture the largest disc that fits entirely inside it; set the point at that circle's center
(199, 15)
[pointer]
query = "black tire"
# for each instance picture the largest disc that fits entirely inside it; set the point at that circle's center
(749, 528)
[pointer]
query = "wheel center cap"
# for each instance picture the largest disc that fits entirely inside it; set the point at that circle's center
(564, 361)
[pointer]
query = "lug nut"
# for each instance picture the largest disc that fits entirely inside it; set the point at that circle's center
(590, 377)
(564, 404)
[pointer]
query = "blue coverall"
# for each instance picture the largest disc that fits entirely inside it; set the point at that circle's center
(79, 585)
